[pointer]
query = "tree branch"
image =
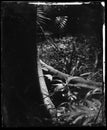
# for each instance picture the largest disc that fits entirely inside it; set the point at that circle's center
(54, 71)
(71, 79)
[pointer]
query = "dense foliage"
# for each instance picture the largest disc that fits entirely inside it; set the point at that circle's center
(77, 57)
(80, 55)
(74, 56)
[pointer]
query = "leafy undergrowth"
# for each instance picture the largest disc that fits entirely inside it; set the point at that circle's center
(74, 56)
(75, 106)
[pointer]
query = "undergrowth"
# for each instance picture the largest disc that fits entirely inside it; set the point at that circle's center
(75, 56)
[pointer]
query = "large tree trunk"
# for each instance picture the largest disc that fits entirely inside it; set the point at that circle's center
(21, 94)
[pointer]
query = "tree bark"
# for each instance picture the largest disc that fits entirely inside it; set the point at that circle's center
(54, 71)
(46, 97)
(72, 79)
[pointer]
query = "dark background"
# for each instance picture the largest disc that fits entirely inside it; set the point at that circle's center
(21, 97)
(85, 19)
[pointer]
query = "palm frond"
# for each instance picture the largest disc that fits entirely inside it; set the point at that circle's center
(41, 15)
(61, 21)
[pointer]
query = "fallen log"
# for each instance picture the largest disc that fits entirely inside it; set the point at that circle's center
(56, 73)
(71, 79)
(82, 85)
(83, 81)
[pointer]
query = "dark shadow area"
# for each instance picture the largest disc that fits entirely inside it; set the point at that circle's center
(21, 96)
(85, 19)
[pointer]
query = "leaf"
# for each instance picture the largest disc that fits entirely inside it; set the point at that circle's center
(88, 94)
(85, 123)
(61, 21)
(71, 96)
(97, 91)
(77, 119)
(73, 114)
(84, 74)
(49, 77)
(59, 87)
(74, 96)
(45, 69)
(92, 92)
(96, 59)
(41, 15)
(57, 81)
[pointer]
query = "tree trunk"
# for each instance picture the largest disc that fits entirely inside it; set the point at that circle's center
(46, 97)
(20, 87)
